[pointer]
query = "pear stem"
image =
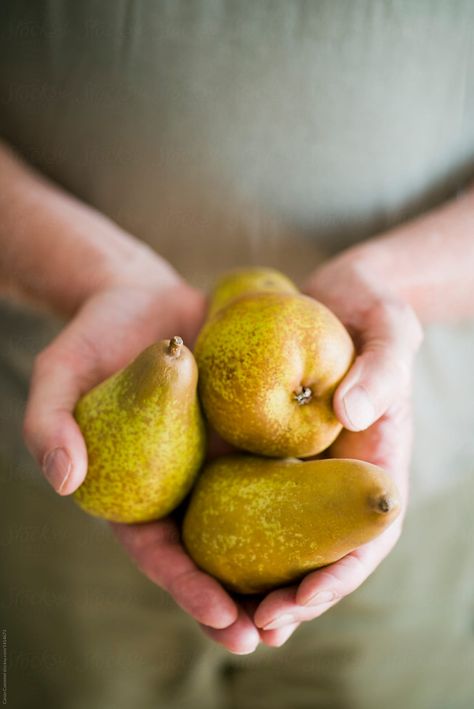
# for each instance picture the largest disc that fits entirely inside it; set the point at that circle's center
(303, 396)
(175, 346)
(384, 504)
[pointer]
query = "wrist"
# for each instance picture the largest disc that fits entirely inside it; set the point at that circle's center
(131, 263)
(359, 292)
(57, 251)
(353, 273)
(387, 267)
(372, 268)
(151, 279)
(426, 262)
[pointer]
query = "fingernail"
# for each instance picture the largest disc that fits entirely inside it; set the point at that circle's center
(358, 407)
(319, 598)
(284, 636)
(57, 467)
(280, 622)
(247, 651)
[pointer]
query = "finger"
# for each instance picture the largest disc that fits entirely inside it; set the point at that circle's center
(280, 610)
(322, 589)
(156, 549)
(241, 637)
(389, 338)
(332, 583)
(277, 638)
(387, 443)
(50, 431)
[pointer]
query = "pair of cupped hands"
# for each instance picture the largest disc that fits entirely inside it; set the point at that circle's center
(372, 403)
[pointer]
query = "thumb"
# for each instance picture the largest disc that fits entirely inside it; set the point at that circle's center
(50, 431)
(389, 339)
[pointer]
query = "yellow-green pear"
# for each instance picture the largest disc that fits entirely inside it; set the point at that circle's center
(257, 523)
(243, 281)
(144, 434)
(269, 364)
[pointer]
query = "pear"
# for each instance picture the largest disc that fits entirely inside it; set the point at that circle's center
(257, 523)
(269, 363)
(144, 434)
(243, 281)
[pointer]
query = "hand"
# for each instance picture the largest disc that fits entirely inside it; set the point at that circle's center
(373, 404)
(110, 329)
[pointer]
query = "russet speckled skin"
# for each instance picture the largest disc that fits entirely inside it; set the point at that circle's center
(145, 437)
(257, 523)
(248, 280)
(255, 355)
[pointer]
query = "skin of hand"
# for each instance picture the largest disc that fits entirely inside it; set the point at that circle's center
(105, 334)
(373, 404)
(119, 297)
(387, 335)
(115, 324)
(114, 316)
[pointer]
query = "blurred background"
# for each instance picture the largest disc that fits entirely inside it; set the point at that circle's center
(227, 134)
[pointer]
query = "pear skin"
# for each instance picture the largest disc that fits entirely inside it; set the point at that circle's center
(256, 523)
(269, 364)
(144, 434)
(243, 281)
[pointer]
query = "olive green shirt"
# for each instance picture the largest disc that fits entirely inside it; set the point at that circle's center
(227, 133)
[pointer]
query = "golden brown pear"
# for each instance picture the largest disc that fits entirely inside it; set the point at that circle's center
(269, 363)
(243, 281)
(256, 523)
(144, 434)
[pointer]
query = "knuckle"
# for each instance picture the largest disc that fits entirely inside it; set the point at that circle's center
(28, 427)
(336, 584)
(387, 309)
(398, 334)
(390, 363)
(347, 574)
(44, 362)
(400, 368)
(33, 435)
(39, 363)
(182, 583)
(400, 314)
(355, 567)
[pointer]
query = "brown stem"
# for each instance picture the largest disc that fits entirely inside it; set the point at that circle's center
(303, 396)
(175, 346)
(384, 504)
